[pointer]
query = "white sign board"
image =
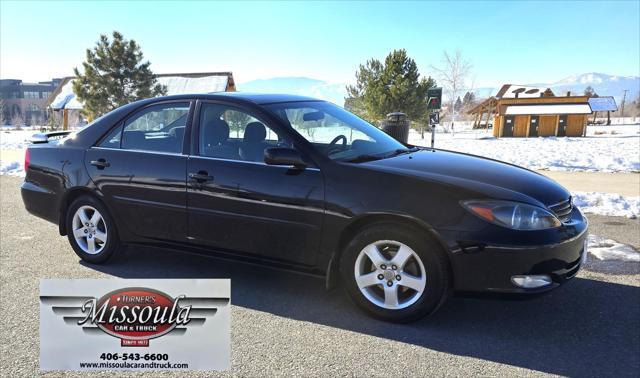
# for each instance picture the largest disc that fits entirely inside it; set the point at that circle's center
(138, 324)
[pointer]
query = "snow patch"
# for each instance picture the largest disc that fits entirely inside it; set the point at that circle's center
(15, 139)
(607, 249)
(187, 85)
(609, 204)
(14, 168)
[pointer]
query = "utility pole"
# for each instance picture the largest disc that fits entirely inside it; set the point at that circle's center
(624, 96)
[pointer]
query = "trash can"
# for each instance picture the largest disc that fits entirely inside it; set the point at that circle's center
(397, 125)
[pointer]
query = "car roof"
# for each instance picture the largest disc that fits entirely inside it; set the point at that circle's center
(256, 98)
(267, 98)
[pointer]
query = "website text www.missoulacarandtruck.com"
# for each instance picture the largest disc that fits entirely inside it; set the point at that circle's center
(132, 365)
(132, 361)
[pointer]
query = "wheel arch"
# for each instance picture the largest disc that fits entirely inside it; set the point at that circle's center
(69, 197)
(366, 220)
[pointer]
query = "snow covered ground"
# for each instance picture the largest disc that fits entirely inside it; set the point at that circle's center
(605, 149)
(15, 139)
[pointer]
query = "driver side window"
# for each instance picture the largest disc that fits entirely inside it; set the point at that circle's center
(230, 133)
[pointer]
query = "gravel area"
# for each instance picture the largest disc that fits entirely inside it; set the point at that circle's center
(286, 324)
(623, 230)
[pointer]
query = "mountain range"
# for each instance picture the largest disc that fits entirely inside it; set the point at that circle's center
(324, 90)
(604, 85)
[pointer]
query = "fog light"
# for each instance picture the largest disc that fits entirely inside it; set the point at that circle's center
(531, 282)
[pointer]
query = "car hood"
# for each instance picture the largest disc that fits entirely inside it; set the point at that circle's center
(491, 178)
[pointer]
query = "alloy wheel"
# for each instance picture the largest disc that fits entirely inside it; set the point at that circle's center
(390, 274)
(89, 230)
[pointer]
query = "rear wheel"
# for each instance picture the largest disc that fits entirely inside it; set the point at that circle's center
(395, 273)
(91, 230)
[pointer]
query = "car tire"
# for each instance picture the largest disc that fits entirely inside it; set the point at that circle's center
(88, 223)
(421, 284)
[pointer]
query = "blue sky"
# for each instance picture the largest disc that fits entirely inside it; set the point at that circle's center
(524, 42)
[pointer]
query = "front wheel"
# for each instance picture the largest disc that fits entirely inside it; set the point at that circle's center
(398, 274)
(91, 230)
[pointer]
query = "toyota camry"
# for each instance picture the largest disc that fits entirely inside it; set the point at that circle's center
(303, 184)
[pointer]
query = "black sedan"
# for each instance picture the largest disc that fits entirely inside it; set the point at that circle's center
(303, 184)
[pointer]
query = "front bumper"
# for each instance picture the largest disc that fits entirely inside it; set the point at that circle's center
(490, 268)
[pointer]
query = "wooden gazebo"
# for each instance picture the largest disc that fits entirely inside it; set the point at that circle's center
(520, 111)
(487, 107)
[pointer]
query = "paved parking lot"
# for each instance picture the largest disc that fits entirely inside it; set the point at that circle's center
(287, 324)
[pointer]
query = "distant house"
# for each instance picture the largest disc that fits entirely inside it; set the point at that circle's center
(521, 111)
(65, 101)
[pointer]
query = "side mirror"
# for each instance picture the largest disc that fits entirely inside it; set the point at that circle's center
(283, 156)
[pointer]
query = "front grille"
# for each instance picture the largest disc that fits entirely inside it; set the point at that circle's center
(563, 210)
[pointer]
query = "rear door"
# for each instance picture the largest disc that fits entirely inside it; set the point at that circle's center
(140, 169)
(237, 202)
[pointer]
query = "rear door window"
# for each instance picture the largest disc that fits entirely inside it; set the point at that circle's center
(158, 128)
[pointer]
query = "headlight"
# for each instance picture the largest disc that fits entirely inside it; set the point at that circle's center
(514, 215)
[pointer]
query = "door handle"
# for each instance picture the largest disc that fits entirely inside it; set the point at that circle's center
(200, 176)
(100, 163)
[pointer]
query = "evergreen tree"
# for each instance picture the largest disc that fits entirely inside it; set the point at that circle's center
(114, 75)
(392, 86)
(589, 91)
(458, 104)
(468, 99)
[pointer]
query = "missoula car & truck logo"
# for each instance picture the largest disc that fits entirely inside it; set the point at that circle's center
(134, 315)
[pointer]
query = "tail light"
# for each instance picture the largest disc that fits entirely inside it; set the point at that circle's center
(27, 159)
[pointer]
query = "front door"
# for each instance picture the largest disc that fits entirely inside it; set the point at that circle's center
(238, 203)
(562, 125)
(140, 169)
(533, 126)
(509, 123)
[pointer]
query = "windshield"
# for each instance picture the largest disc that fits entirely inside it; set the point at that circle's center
(335, 132)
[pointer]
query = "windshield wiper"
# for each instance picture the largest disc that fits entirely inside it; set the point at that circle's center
(365, 157)
(401, 151)
(371, 157)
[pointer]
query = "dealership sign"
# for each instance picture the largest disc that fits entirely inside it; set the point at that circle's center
(134, 324)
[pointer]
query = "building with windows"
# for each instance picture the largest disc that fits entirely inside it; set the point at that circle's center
(25, 103)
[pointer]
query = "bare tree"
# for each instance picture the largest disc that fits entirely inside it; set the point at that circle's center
(453, 75)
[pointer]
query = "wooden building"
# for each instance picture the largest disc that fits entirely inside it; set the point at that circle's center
(63, 100)
(519, 111)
